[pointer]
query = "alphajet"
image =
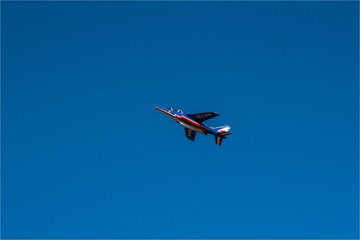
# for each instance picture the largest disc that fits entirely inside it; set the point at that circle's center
(194, 123)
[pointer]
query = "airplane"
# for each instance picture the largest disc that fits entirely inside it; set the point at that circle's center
(194, 123)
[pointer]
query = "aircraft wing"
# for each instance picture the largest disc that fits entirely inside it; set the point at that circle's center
(201, 117)
(190, 134)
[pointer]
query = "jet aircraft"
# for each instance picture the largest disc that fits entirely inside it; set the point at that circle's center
(194, 123)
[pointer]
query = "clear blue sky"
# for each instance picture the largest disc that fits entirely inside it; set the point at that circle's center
(86, 155)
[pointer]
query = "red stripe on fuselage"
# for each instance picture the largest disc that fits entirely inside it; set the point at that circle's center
(185, 119)
(191, 122)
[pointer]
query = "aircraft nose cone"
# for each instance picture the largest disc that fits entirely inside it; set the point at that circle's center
(160, 108)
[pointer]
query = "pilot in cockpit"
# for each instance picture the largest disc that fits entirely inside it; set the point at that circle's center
(176, 110)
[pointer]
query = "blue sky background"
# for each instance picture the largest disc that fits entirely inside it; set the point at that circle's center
(86, 155)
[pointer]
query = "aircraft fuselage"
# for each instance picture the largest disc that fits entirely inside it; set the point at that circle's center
(186, 121)
(194, 123)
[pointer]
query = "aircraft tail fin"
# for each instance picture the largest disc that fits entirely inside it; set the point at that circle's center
(223, 130)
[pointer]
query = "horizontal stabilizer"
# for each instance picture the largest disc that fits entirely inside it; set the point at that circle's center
(218, 140)
(225, 133)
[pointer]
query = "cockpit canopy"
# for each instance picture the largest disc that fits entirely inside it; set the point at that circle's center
(175, 110)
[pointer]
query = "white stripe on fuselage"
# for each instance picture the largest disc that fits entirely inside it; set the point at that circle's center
(191, 127)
